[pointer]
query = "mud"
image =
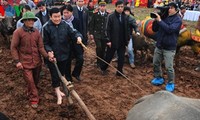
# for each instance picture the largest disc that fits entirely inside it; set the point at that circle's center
(107, 97)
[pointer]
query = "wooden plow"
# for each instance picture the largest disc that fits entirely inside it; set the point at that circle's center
(69, 90)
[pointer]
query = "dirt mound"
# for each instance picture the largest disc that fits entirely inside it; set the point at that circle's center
(107, 97)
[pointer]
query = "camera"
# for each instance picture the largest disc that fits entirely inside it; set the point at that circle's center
(153, 15)
(162, 11)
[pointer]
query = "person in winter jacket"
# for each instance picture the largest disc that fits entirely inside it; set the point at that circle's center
(26, 49)
(117, 31)
(166, 37)
(57, 36)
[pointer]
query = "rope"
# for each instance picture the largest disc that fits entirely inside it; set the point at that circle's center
(112, 67)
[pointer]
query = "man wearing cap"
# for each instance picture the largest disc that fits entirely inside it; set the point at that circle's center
(43, 13)
(37, 24)
(26, 49)
(97, 27)
(166, 37)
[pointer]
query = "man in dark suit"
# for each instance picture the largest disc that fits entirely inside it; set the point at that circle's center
(117, 29)
(97, 27)
(81, 12)
(43, 13)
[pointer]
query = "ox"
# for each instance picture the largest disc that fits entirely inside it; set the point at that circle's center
(144, 45)
(7, 27)
(165, 105)
(185, 36)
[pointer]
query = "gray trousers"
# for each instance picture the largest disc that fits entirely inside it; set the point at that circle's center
(168, 56)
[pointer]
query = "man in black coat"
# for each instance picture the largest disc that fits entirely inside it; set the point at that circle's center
(118, 36)
(56, 37)
(81, 12)
(76, 49)
(97, 27)
(43, 13)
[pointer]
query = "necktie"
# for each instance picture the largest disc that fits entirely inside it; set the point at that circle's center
(80, 9)
(120, 18)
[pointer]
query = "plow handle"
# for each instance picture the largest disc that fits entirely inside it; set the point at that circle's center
(69, 86)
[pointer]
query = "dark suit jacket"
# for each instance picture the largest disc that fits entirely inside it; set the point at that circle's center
(39, 15)
(85, 19)
(113, 30)
(76, 24)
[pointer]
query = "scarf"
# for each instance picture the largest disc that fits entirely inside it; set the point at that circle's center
(69, 21)
(28, 29)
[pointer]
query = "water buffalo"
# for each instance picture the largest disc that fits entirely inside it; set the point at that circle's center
(185, 36)
(7, 26)
(144, 45)
(165, 105)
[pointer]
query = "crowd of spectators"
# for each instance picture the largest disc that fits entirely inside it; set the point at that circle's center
(195, 5)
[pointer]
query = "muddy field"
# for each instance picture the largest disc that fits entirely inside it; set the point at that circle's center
(107, 97)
